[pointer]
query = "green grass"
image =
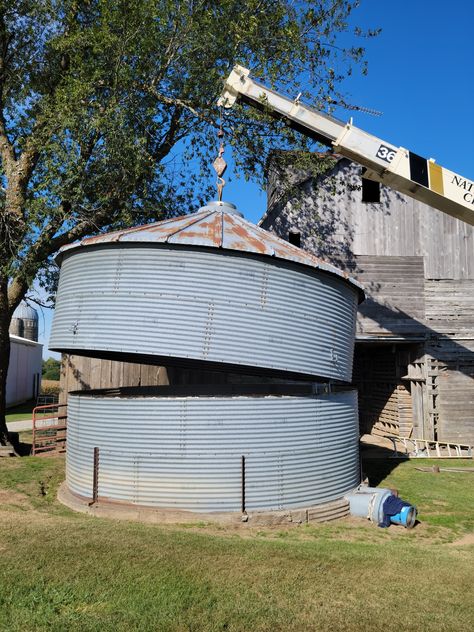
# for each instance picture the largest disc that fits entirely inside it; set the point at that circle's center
(444, 500)
(21, 412)
(62, 571)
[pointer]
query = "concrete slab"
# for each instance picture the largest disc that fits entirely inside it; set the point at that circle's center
(135, 513)
(20, 426)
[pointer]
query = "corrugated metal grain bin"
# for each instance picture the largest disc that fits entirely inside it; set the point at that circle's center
(209, 287)
(185, 451)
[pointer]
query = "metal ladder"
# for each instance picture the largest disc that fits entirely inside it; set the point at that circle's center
(429, 449)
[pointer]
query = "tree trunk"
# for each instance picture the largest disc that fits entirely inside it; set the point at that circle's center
(5, 318)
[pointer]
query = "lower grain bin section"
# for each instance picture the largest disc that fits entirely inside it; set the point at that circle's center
(232, 311)
(186, 452)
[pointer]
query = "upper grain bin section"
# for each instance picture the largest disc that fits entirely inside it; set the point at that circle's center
(207, 288)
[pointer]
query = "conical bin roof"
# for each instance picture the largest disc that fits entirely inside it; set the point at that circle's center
(216, 225)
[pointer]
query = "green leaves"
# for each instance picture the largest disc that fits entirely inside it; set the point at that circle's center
(113, 104)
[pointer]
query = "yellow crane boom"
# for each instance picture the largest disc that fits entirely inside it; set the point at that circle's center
(397, 167)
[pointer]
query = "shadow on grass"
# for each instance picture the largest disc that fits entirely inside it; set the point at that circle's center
(21, 412)
(24, 449)
(21, 442)
(377, 463)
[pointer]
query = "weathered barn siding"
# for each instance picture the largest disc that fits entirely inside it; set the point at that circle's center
(453, 381)
(385, 403)
(417, 265)
(395, 301)
(449, 306)
(333, 219)
(79, 373)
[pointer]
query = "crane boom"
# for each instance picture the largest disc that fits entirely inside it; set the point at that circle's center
(395, 167)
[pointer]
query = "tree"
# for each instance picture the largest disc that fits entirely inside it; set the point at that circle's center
(102, 101)
(51, 369)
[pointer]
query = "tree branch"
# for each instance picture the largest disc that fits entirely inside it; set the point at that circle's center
(169, 139)
(180, 104)
(7, 153)
(47, 244)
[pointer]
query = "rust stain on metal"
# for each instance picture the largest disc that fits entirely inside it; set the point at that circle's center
(217, 230)
(216, 226)
(180, 224)
(207, 232)
(248, 242)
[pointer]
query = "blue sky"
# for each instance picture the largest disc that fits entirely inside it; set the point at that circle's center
(421, 71)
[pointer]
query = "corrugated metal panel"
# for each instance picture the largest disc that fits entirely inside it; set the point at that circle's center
(25, 311)
(218, 306)
(217, 225)
(24, 370)
(186, 452)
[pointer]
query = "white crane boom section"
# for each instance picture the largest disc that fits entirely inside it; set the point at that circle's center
(396, 167)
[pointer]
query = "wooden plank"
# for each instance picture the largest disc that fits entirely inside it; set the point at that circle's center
(131, 374)
(105, 367)
(81, 373)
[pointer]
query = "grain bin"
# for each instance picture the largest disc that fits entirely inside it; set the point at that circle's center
(206, 289)
(164, 449)
(210, 291)
(25, 322)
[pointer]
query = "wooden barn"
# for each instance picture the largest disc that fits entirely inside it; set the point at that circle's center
(81, 373)
(414, 358)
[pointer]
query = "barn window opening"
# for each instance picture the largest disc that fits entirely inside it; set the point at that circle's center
(294, 237)
(370, 191)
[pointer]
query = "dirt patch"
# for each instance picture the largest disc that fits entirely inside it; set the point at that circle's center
(15, 499)
(464, 541)
(107, 508)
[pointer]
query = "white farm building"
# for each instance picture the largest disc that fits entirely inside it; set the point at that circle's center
(24, 371)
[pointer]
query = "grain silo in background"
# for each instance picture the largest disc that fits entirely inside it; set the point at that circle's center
(24, 323)
(24, 370)
(211, 292)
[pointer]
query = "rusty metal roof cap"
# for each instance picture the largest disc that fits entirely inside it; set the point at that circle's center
(216, 225)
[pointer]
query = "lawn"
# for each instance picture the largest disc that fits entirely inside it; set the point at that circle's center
(62, 571)
(21, 412)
